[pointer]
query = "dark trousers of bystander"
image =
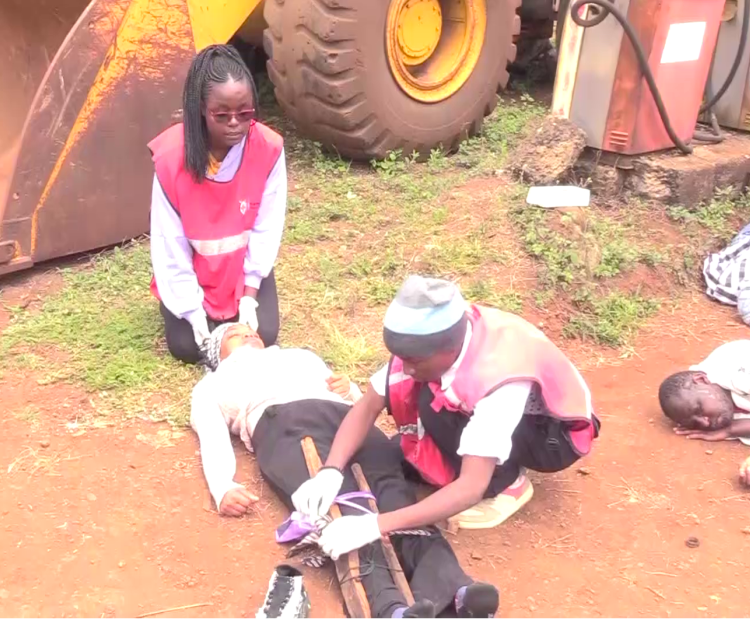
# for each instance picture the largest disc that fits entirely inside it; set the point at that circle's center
(540, 442)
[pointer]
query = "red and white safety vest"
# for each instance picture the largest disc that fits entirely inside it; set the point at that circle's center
(503, 348)
(217, 217)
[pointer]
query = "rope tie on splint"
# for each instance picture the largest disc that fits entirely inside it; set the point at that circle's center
(306, 531)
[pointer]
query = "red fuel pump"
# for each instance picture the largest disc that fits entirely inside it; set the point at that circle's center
(632, 73)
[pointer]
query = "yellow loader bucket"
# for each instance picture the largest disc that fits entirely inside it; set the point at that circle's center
(85, 86)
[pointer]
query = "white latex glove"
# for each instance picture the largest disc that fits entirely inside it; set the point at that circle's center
(201, 333)
(349, 533)
(248, 312)
(314, 497)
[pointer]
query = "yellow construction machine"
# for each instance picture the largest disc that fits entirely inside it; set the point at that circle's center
(84, 85)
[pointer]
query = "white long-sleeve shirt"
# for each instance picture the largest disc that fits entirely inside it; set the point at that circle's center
(233, 399)
(172, 256)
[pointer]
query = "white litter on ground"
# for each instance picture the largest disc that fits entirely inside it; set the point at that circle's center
(556, 196)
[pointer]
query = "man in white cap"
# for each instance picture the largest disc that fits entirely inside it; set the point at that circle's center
(478, 395)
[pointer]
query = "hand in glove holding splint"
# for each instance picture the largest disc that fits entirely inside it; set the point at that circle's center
(348, 534)
(315, 497)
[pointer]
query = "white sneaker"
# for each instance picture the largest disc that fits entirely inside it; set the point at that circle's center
(286, 596)
(492, 512)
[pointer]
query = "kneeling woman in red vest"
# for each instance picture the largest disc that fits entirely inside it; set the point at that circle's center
(478, 395)
(218, 207)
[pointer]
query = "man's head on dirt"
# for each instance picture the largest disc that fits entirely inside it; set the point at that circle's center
(226, 339)
(426, 326)
(219, 106)
(693, 402)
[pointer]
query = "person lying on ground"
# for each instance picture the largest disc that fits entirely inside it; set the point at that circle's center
(274, 397)
(477, 395)
(711, 400)
(727, 274)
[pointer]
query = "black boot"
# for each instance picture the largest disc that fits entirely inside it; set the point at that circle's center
(480, 600)
(421, 609)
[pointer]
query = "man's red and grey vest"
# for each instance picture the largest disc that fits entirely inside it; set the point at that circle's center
(217, 217)
(503, 348)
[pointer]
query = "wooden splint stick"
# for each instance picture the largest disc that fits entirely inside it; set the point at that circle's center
(347, 566)
(390, 554)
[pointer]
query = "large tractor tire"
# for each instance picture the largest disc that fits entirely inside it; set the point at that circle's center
(365, 77)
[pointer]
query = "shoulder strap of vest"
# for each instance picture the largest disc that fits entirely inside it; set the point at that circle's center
(388, 388)
(167, 153)
(265, 139)
(270, 136)
(168, 141)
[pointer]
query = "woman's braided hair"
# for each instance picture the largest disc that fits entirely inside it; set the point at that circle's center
(215, 64)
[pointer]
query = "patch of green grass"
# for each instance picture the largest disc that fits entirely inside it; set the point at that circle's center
(306, 231)
(719, 217)
(415, 193)
(393, 164)
(689, 265)
(448, 256)
(439, 215)
(652, 257)
(108, 327)
(354, 234)
(592, 246)
(379, 291)
(511, 118)
(482, 293)
(558, 254)
(13, 310)
(610, 320)
(437, 161)
(30, 415)
(542, 297)
(25, 359)
(353, 355)
(330, 269)
(329, 164)
(485, 153)
(616, 257)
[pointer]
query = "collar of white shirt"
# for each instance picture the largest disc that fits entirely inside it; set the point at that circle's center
(449, 375)
(230, 164)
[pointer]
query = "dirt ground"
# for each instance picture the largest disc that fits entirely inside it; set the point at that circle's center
(118, 521)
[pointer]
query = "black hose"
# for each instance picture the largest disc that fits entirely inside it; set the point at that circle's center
(737, 59)
(606, 7)
(710, 137)
(715, 136)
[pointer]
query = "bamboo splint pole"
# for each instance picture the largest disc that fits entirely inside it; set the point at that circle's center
(347, 566)
(390, 554)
